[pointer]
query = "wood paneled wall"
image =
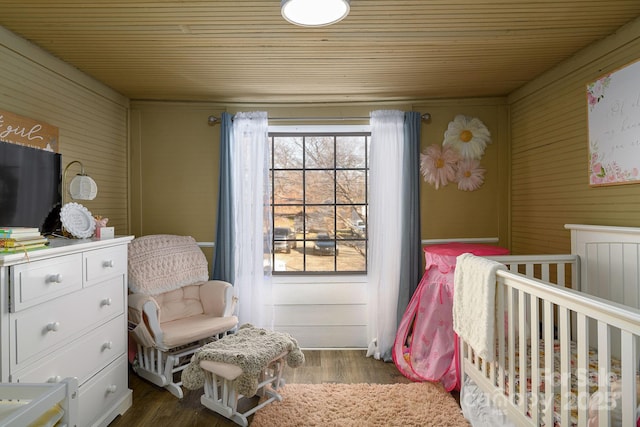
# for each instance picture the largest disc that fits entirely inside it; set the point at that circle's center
(549, 146)
(174, 186)
(92, 119)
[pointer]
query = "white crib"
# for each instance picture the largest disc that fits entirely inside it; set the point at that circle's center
(46, 404)
(577, 313)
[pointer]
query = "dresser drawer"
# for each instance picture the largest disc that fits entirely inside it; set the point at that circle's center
(102, 264)
(82, 358)
(99, 397)
(39, 330)
(39, 281)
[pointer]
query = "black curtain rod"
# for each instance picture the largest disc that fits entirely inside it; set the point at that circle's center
(213, 120)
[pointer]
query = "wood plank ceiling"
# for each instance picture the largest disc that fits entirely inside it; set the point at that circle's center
(244, 51)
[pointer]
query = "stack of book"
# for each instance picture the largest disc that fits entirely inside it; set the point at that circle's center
(20, 239)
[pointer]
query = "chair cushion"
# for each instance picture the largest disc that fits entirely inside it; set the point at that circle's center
(163, 262)
(183, 302)
(183, 331)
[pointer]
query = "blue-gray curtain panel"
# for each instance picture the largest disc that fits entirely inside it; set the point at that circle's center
(223, 264)
(411, 256)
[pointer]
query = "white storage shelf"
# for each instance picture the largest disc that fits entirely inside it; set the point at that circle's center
(62, 314)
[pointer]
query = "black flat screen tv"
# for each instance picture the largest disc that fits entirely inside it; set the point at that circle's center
(30, 181)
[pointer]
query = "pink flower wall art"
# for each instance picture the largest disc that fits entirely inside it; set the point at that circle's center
(595, 91)
(470, 175)
(438, 165)
(602, 172)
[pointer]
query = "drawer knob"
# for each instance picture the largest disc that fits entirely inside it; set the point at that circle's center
(55, 379)
(107, 346)
(53, 326)
(54, 278)
(112, 388)
(106, 301)
(108, 264)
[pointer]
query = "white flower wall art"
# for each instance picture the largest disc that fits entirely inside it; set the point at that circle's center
(469, 136)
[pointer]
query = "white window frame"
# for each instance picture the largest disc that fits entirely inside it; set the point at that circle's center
(312, 277)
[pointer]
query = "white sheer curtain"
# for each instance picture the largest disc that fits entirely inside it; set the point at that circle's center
(385, 229)
(250, 170)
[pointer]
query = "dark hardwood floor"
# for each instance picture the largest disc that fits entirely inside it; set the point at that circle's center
(154, 406)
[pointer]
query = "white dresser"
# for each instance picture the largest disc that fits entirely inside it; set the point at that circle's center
(63, 314)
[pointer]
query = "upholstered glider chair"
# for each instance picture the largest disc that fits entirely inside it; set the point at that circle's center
(174, 308)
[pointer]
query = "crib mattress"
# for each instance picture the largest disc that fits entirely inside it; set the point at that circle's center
(475, 402)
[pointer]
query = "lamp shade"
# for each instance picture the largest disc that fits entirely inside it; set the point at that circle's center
(83, 187)
(314, 13)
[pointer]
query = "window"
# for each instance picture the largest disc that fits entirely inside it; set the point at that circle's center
(319, 201)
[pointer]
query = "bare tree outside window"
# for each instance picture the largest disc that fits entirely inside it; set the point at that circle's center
(319, 202)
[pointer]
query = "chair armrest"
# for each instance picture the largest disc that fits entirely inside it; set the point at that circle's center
(136, 303)
(217, 298)
(144, 310)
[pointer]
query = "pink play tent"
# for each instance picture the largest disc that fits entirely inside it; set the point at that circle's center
(425, 348)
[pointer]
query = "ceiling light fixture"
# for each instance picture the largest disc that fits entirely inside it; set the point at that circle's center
(314, 13)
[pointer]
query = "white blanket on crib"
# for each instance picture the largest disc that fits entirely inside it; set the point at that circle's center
(474, 290)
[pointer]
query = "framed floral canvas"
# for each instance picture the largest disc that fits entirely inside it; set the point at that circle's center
(613, 103)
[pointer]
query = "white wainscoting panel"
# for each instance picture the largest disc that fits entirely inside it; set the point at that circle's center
(322, 311)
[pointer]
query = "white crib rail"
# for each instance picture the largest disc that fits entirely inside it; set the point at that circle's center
(548, 268)
(32, 401)
(535, 310)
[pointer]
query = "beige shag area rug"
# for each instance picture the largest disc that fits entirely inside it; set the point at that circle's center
(370, 405)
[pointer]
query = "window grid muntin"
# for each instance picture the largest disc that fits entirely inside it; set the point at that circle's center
(335, 205)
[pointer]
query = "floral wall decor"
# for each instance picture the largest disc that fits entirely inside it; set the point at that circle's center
(438, 165)
(470, 175)
(614, 127)
(458, 160)
(469, 136)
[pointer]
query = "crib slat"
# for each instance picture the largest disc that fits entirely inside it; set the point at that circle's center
(582, 349)
(544, 273)
(565, 365)
(560, 272)
(511, 342)
(501, 335)
(535, 360)
(628, 374)
(604, 367)
(529, 269)
(522, 338)
(548, 363)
